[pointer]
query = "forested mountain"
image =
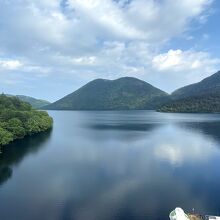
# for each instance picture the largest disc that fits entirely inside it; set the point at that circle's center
(120, 94)
(209, 85)
(196, 104)
(130, 93)
(203, 96)
(35, 103)
(18, 119)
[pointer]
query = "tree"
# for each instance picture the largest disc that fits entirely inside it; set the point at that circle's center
(15, 126)
(5, 136)
(17, 119)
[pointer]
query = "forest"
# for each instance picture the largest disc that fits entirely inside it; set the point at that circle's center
(18, 119)
(198, 104)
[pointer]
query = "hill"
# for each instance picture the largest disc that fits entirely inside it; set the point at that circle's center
(209, 85)
(35, 103)
(196, 104)
(120, 94)
(203, 96)
(18, 119)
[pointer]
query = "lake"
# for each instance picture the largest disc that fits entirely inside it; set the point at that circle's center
(113, 165)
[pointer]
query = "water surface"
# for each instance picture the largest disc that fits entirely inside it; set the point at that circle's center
(126, 165)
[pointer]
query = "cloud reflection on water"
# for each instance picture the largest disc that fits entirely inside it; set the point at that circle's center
(133, 165)
(178, 146)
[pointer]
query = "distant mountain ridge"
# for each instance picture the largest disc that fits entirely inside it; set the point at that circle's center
(209, 85)
(203, 96)
(195, 104)
(35, 103)
(125, 93)
(129, 93)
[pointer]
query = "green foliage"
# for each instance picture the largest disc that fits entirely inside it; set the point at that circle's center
(18, 119)
(5, 136)
(121, 94)
(197, 104)
(13, 103)
(208, 86)
(15, 126)
(200, 97)
(35, 103)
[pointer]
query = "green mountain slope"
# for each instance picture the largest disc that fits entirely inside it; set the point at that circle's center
(35, 103)
(120, 94)
(203, 96)
(209, 85)
(196, 104)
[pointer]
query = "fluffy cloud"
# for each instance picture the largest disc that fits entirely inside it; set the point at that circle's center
(178, 60)
(10, 64)
(82, 39)
(139, 19)
(76, 25)
(184, 67)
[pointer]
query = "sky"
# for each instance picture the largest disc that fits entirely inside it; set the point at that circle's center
(50, 48)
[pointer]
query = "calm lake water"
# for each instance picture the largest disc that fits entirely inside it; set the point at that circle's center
(127, 165)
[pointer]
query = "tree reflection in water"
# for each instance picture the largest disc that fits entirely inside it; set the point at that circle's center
(12, 154)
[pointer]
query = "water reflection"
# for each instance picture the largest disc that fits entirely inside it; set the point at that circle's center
(124, 127)
(12, 154)
(210, 129)
(5, 174)
(116, 166)
(179, 146)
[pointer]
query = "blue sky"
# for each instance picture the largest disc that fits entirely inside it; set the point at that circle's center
(49, 48)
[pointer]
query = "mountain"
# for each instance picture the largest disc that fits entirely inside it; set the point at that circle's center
(209, 85)
(203, 96)
(35, 103)
(195, 104)
(120, 94)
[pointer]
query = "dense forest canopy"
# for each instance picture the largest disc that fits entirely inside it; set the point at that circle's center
(196, 104)
(35, 103)
(203, 96)
(18, 119)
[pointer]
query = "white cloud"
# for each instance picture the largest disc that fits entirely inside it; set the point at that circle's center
(178, 68)
(187, 62)
(178, 60)
(87, 22)
(10, 64)
(139, 19)
(84, 60)
(99, 38)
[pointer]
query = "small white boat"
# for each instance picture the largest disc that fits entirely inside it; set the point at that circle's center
(178, 214)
